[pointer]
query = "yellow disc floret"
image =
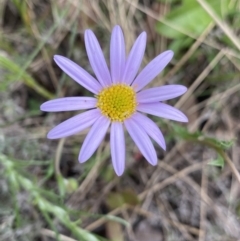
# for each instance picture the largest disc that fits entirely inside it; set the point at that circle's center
(117, 102)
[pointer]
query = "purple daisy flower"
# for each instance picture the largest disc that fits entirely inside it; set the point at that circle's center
(119, 99)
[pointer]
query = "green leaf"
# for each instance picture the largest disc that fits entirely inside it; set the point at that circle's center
(226, 144)
(177, 44)
(219, 162)
(114, 200)
(183, 133)
(130, 197)
(197, 136)
(117, 199)
(191, 18)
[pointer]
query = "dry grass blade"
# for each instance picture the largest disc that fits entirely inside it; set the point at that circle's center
(211, 43)
(101, 221)
(86, 185)
(189, 53)
(200, 78)
(44, 52)
(170, 180)
(204, 185)
(231, 165)
(226, 29)
(58, 157)
(220, 97)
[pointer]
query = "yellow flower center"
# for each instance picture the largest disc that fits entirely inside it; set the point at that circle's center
(117, 102)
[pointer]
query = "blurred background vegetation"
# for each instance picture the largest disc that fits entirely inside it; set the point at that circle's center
(193, 193)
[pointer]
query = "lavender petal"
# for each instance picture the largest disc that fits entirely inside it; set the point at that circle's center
(117, 147)
(152, 70)
(142, 141)
(68, 104)
(134, 59)
(74, 124)
(94, 138)
(162, 93)
(77, 73)
(151, 128)
(163, 110)
(117, 54)
(96, 58)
